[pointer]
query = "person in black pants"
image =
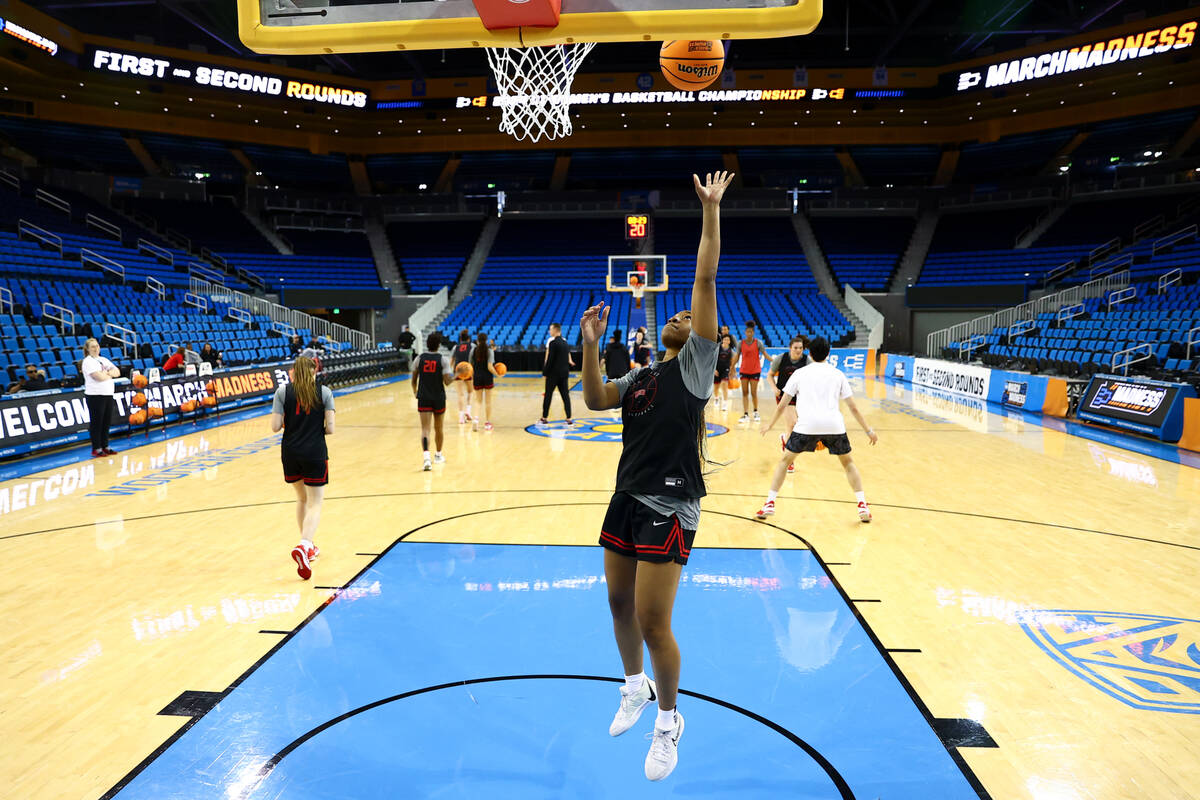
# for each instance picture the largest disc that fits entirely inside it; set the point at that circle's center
(98, 373)
(557, 369)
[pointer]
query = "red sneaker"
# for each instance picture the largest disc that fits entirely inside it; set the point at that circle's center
(864, 512)
(314, 553)
(791, 467)
(300, 556)
(97, 454)
(108, 451)
(767, 510)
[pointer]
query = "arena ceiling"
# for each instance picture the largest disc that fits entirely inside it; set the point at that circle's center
(853, 33)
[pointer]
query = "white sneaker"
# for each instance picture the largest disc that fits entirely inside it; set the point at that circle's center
(664, 750)
(462, 417)
(744, 418)
(438, 458)
(427, 464)
(725, 406)
(768, 509)
(757, 418)
(864, 512)
(631, 708)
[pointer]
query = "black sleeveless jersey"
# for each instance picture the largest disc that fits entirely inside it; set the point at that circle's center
(661, 422)
(303, 434)
(431, 391)
(786, 368)
(724, 358)
(642, 355)
(462, 352)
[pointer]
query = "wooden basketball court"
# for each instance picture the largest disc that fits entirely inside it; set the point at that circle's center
(1034, 593)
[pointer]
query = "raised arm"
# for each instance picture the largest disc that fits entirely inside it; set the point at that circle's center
(704, 290)
(597, 395)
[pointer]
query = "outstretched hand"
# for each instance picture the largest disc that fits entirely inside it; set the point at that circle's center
(713, 189)
(594, 323)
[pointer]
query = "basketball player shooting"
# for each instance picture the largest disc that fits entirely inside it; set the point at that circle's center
(652, 518)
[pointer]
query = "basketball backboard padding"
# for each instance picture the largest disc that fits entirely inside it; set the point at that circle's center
(307, 27)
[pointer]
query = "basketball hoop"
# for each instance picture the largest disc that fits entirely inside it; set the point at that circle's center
(535, 88)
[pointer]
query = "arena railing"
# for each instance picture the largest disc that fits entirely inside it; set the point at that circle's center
(1138, 353)
(59, 314)
(1172, 239)
(158, 287)
(1169, 279)
(105, 263)
(104, 226)
(319, 222)
(54, 201)
(196, 269)
(938, 340)
(1069, 312)
(1193, 338)
(127, 337)
(10, 179)
(1144, 229)
(196, 301)
(28, 229)
(1020, 328)
(1121, 296)
(6, 301)
(1103, 251)
(214, 258)
(1062, 270)
(241, 315)
(298, 320)
(178, 239)
(1125, 261)
(976, 342)
(162, 254)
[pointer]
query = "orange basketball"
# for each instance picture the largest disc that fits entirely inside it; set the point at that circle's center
(137, 418)
(501, 369)
(734, 383)
(188, 406)
(139, 380)
(820, 446)
(691, 65)
(155, 411)
(210, 402)
(139, 400)
(464, 371)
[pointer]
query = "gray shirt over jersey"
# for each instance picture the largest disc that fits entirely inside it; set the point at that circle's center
(697, 361)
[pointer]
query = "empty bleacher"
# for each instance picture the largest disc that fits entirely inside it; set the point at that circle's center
(863, 251)
(431, 254)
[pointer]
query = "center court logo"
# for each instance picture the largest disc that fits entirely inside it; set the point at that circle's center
(1145, 661)
(598, 429)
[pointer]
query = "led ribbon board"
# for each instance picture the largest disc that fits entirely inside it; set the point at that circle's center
(656, 98)
(1077, 59)
(225, 79)
(29, 37)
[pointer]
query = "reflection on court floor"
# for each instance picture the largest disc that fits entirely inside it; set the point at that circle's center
(487, 671)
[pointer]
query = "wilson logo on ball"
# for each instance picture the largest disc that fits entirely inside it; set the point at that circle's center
(691, 64)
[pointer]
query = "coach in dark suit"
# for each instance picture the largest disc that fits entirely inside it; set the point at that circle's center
(557, 369)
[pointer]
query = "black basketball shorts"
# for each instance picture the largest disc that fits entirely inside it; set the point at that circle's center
(838, 444)
(631, 528)
(313, 473)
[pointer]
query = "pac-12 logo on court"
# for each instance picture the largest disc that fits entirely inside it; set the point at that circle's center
(1145, 661)
(597, 429)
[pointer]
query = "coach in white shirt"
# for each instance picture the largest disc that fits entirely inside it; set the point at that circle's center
(98, 373)
(818, 388)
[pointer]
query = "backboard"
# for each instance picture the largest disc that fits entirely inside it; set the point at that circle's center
(651, 272)
(300, 27)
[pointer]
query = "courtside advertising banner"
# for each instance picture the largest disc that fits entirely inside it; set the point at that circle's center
(39, 420)
(1145, 406)
(949, 376)
(850, 360)
(970, 412)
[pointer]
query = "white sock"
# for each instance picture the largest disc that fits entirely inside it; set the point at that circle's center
(427, 454)
(771, 495)
(440, 454)
(665, 720)
(306, 544)
(634, 683)
(862, 496)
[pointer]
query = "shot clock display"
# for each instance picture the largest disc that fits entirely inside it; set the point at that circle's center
(636, 226)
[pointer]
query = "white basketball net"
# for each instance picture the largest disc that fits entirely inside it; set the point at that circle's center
(535, 88)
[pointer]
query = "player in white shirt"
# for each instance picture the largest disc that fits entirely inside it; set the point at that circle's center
(818, 388)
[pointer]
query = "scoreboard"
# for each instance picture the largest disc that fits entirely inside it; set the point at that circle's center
(636, 226)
